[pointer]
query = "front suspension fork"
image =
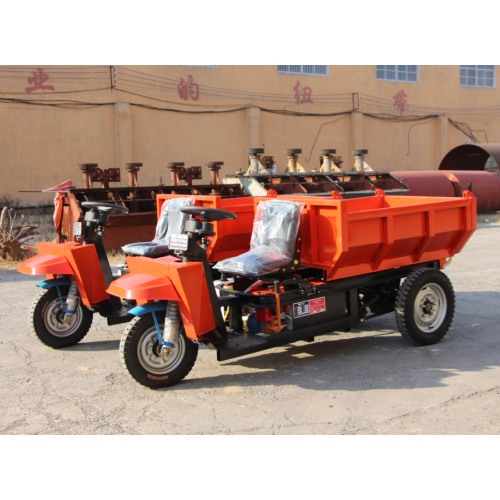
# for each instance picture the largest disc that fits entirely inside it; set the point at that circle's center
(172, 327)
(71, 300)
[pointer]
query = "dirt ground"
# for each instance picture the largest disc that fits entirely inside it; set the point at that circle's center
(368, 381)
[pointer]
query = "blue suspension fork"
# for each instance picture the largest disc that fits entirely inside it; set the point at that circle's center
(63, 305)
(56, 283)
(158, 329)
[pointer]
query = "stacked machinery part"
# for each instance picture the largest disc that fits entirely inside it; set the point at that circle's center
(359, 161)
(180, 173)
(255, 165)
(214, 167)
(132, 169)
(92, 173)
(293, 165)
(257, 181)
(139, 224)
(327, 162)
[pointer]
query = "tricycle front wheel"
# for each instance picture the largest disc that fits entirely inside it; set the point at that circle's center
(142, 356)
(425, 306)
(47, 319)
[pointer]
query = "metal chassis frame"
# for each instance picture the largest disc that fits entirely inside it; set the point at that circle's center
(351, 285)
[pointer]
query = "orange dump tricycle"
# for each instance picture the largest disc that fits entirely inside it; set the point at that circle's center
(315, 265)
(78, 272)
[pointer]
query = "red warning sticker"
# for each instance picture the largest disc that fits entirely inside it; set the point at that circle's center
(317, 305)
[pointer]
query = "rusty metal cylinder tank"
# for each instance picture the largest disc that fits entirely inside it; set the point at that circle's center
(426, 183)
(484, 185)
(452, 183)
(472, 157)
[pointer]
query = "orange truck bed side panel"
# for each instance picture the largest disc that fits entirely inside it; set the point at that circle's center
(233, 236)
(187, 280)
(359, 236)
(71, 258)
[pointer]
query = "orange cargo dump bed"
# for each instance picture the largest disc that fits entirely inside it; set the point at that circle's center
(358, 236)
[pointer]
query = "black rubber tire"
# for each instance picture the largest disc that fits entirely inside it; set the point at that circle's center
(324, 152)
(293, 151)
(130, 358)
(405, 306)
(255, 151)
(38, 327)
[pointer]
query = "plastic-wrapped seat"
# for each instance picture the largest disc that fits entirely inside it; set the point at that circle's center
(274, 236)
(171, 221)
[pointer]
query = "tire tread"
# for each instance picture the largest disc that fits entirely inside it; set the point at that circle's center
(51, 340)
(405, 323)
(125, 345)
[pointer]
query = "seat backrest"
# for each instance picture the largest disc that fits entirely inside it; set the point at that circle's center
(172, 220)
(278, 226)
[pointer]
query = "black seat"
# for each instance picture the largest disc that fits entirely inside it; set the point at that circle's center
(276, 225)
(171, 221)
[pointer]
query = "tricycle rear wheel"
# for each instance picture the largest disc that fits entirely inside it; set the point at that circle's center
(425, 306)
(46, 319)
(141, 357)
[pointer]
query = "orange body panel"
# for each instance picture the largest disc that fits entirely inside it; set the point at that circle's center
(364, 235)
(233, 236)
(47, 263)
(143, 286)
(70, 258)
(186, 280)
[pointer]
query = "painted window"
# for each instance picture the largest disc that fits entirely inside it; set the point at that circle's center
(477, 76)
(304, 70)
(398, 73)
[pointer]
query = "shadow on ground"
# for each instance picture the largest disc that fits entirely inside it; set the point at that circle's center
(103, 345)
(374, 357)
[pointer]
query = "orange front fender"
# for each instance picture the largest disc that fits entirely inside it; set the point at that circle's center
(46, 264)
(166, 278)
(144, 285)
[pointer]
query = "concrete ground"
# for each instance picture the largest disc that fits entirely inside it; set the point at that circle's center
(369, 381)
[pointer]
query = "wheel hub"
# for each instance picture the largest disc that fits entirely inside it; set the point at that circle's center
(55, 322)
(154, 357)
(161, 351)
(430, 307)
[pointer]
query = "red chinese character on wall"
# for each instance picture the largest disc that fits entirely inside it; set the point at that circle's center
(188, 88)
(302, 95)
(38, 80)
(400, 101)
